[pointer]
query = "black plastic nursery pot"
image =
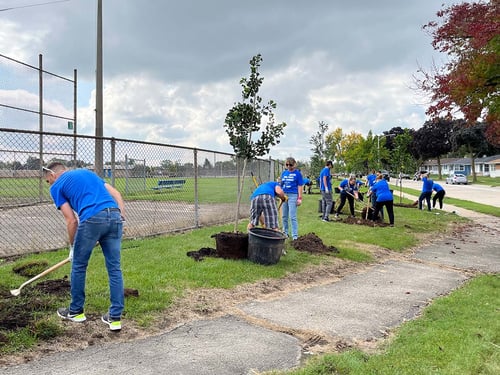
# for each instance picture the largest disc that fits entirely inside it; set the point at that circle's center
(265, 246)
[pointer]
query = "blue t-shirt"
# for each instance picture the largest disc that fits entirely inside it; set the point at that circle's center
(370, 179)
(382, 191)
(427, 185)
(325, 172)
(265, 188)
(437, 187)
(290, 181)
(347, 187)
(84, 191)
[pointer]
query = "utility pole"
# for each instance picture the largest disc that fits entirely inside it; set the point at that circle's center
(98, 163)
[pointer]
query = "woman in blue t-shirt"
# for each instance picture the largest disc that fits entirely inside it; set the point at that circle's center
(384, 198)
(348, 190)
(291, 183)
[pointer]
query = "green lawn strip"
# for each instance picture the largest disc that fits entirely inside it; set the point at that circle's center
(159, 269)
(457, 334)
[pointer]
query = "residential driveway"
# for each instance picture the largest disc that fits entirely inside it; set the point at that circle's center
(263, 335)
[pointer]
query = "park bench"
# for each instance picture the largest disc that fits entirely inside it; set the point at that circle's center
(169, 184)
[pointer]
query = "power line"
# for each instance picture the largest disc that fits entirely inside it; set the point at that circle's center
(33, 5)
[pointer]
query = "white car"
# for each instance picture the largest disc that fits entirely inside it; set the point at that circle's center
(456, 178)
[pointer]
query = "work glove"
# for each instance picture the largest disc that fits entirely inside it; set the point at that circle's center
(285, 198)
(124, 226)
(326, 190)
(70, 256)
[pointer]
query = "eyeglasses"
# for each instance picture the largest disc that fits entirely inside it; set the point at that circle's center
(289, 165)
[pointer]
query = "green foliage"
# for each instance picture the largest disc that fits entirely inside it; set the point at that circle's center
(434, 138)
(318, 143)
(245, 118)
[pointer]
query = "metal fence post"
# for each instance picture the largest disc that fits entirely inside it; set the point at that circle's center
(113, 160)
(196, 202)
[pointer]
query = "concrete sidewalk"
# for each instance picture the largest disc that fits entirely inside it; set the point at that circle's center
(361, 307)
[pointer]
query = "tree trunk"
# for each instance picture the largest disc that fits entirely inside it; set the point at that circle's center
(240, 192)
(439, 166)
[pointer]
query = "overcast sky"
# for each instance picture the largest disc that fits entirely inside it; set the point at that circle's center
(172, 68)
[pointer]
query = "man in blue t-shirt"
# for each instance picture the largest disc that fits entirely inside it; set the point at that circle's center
(263, 203)
(325, 186)
(426, 191)
(94, 212)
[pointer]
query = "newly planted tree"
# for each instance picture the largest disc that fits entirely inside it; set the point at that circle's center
(248, 117)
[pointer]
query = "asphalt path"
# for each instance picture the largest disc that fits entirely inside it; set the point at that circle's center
(266, 334)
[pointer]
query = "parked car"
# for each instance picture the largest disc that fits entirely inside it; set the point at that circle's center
(456, 178)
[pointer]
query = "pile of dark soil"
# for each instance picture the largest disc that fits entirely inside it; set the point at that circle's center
(200, 254)
(363, 221)
(407, 205)
(19, 312)
(311, 243)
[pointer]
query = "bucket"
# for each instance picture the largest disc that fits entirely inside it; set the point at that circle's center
(265, 245)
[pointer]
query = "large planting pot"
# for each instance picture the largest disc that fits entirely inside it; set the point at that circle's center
(265, 246)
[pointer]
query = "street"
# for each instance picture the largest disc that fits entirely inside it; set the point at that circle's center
(475, 193)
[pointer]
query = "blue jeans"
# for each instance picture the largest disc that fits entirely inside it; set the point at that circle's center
(106, 228)
(326, 203)
(290, 212)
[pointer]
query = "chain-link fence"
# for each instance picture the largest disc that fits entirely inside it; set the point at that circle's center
(166, 188)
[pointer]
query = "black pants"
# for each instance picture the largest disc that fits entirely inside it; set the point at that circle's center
(389, 206)
(438, 196)
(350, 198)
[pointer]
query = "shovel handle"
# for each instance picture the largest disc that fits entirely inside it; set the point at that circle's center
(47, 271)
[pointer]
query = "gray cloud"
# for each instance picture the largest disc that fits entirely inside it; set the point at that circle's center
(171, 69)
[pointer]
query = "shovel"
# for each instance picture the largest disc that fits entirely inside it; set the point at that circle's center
(16, 292)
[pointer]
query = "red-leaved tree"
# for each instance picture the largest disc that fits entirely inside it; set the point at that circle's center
(469, 33)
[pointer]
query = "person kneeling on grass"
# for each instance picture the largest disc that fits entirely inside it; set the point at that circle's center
(263, 205)
(384, 198)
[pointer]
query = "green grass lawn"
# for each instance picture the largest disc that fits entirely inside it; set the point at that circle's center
(210, 189)
(160, 270)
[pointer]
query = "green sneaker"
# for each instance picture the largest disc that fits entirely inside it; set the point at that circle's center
(68, 315)
(113, 323)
